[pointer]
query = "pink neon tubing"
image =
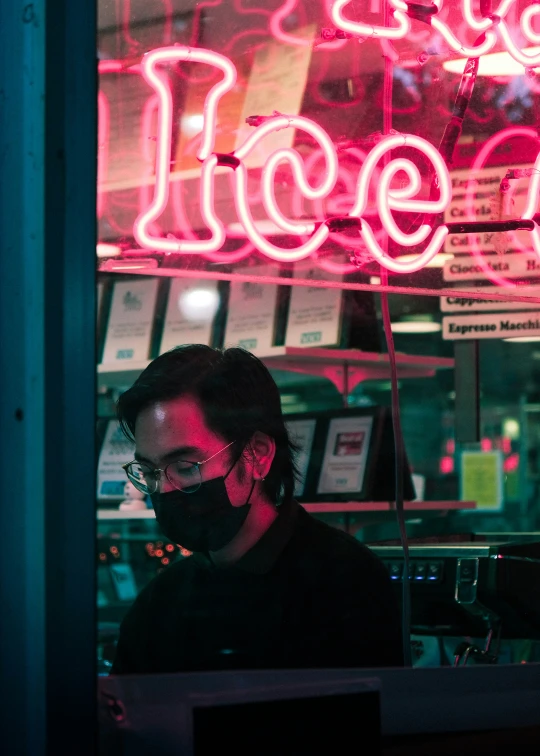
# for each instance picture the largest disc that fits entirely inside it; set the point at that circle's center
(163, 148)
(149, 111)
(104, 120)
(358, 29)
(399, 200)
(269, 201)
(289, 39)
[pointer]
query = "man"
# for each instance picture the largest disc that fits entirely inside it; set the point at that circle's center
(268, 586)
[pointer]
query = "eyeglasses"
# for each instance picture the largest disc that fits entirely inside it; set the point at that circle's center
(183, 475)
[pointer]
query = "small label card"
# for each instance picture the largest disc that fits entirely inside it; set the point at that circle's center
(131, 320)
(191, 309)
(302, 433)
(251, 317)
(116, 451)
(314, 313)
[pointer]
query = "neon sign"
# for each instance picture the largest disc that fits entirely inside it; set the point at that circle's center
(313, 233)
(488, 28)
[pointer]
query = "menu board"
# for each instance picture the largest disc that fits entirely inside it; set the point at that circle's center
(251, 316)
(302, 433)
(345, 455)
(116, 451)
(314, 313)
(131, 320)
(191, 309)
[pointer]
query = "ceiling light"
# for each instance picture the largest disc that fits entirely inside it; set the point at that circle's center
(510, 428)
(264, 227)
(108, 250)
(192, 124)
(493, 64)
(199, 304)
(523, 339)
(416, 326)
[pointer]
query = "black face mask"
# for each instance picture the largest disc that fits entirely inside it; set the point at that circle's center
(201, 521)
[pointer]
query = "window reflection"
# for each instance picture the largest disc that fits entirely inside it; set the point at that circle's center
(470, 503)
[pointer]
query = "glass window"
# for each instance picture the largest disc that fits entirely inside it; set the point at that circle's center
(349, 193)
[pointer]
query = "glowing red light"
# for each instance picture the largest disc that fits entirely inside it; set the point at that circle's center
(165, 560)
(450, 446)
(511, 463)
(159, 552)
(446, 465)
(486, 444)
(103, 557)
(169, 547)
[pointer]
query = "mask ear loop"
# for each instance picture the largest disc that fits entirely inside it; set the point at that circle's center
(231, 468)
(250, 492)
(230, 471)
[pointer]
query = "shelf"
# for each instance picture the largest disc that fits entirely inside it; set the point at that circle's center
(117, 514)
(386, 506)
(321, 508)
(346, 368)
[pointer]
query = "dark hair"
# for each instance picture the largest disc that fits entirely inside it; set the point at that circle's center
(238, 397)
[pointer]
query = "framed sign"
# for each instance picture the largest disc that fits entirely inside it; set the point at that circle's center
(352, 456)
(345, 455)
(131, 321)
(315, 314)
(191, 309)
(481, 479)
(116, 450)
(252, 314)
(302, 433)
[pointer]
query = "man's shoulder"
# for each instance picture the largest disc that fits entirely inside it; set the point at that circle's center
(167, 579)
(335, 547)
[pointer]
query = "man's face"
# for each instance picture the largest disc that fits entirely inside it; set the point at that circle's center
(176, 429)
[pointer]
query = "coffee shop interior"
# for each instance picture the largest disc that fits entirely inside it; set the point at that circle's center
(348, 190)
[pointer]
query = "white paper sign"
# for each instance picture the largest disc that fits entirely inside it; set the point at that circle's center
(301, 433)
(314, 313)
(517, 265)
(131, 320)
(123, 580)
(191, 309)
(277, 82)
(251, 315)
(504, 325)
(345, 455)
(485, 183)
(115, 452)
(466, 302)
